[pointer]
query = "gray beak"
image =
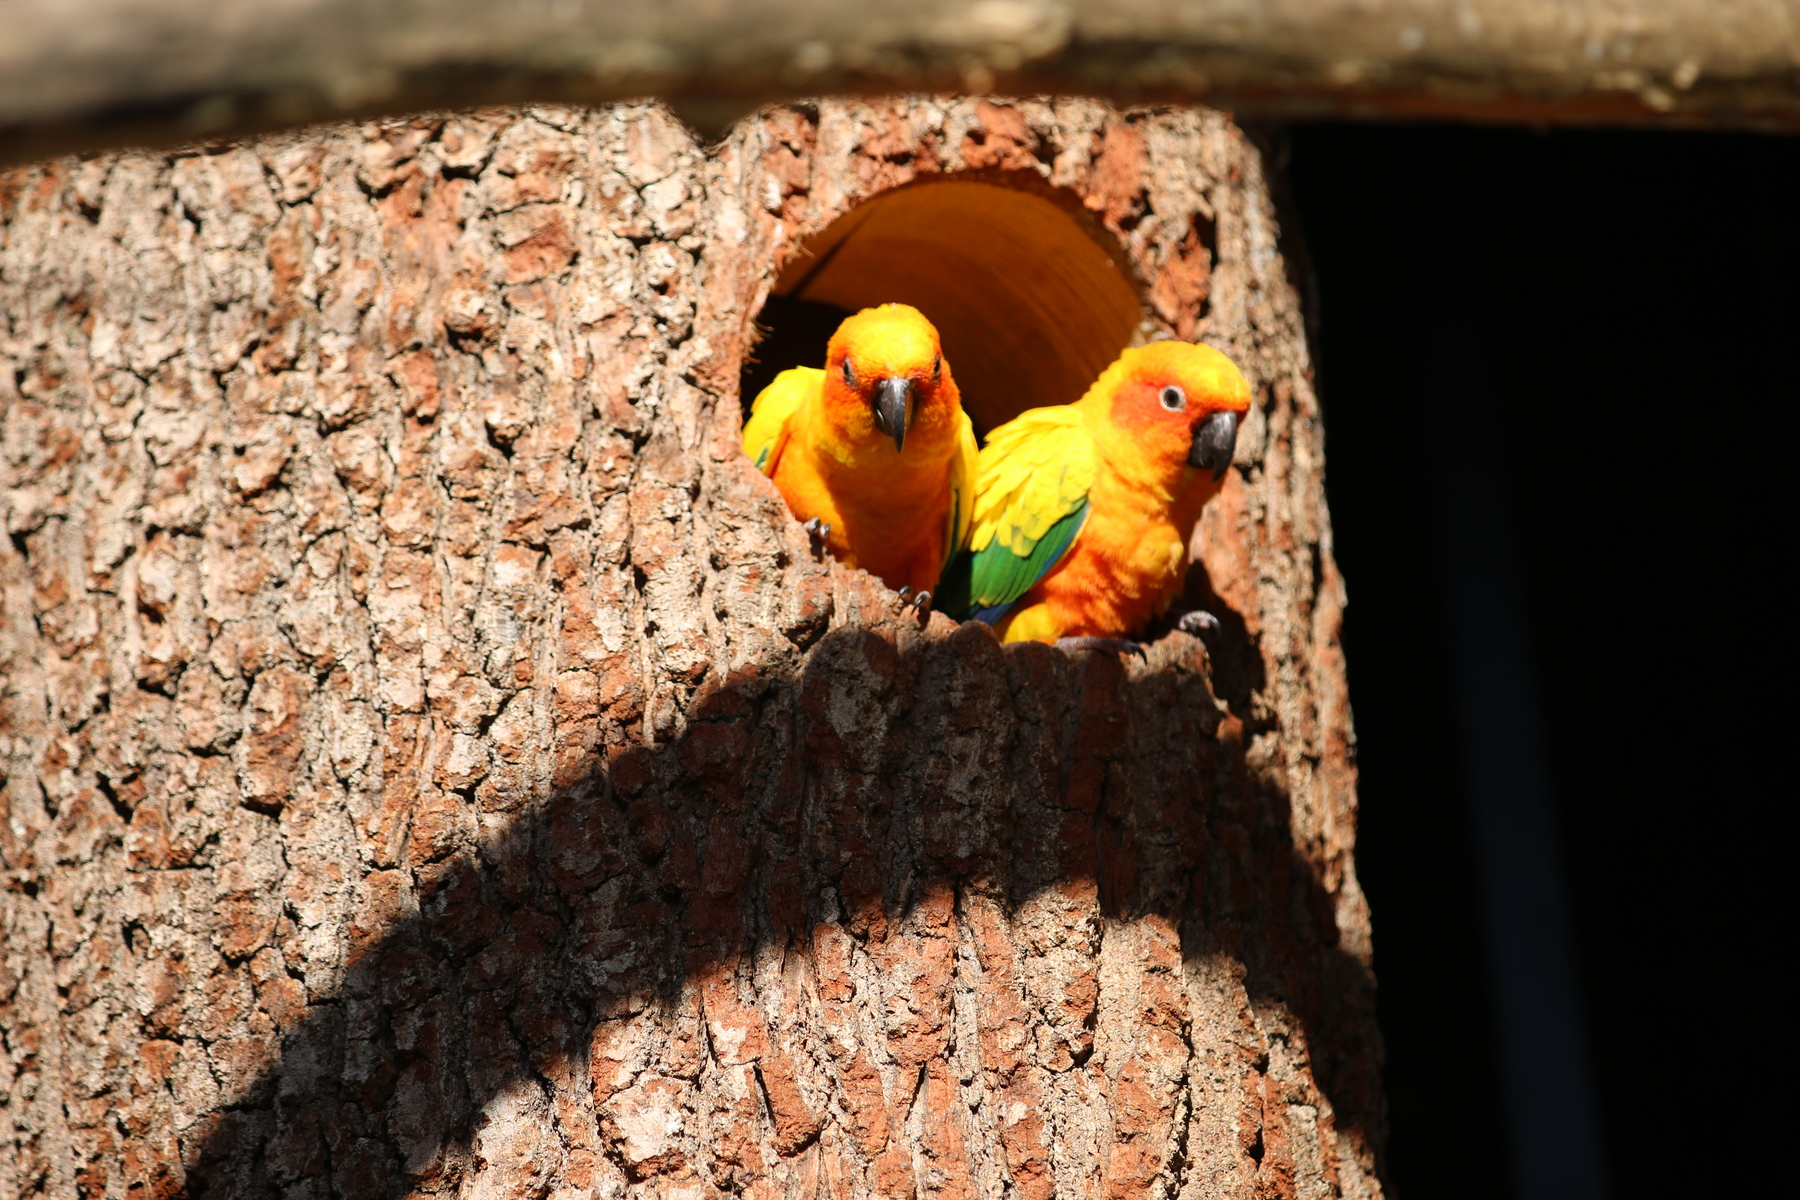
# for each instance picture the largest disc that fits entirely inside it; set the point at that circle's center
(893, 405)
(1215, 439)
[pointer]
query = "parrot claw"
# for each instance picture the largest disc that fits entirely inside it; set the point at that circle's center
(817, 531)
(1198, 622)
(1070, 645)
(919, 602)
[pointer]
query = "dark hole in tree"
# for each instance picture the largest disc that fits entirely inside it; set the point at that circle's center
(795, 333)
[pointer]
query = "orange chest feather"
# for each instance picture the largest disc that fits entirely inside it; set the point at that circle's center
(887, 512)
(1128, 562)
(896, 501)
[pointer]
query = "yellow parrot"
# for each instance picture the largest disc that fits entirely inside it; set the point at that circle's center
(1083, 511)
(874, 452)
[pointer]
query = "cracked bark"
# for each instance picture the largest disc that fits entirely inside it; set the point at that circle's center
(434, 763)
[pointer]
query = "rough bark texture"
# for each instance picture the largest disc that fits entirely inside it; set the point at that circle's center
(435, 764)
(76, 74)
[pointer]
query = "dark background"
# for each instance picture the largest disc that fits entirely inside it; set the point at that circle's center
(1635, 294)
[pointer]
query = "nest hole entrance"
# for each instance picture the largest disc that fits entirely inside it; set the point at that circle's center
(1028, 296)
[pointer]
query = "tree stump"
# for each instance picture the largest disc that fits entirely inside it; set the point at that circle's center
(435, 762)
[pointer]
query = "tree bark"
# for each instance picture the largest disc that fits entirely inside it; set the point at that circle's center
(82, 74)
(435, 763)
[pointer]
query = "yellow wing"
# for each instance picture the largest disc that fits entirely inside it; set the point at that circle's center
(1030, 502)
(766, 432)
(964, 471)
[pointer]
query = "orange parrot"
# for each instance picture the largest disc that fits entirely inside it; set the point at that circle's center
(1083, 511)
(874, 452)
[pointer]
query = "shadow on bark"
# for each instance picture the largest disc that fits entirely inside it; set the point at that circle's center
(893, 768)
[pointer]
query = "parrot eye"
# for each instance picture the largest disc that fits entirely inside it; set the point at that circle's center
(1173, 398)
(849, 375)
(937, 368)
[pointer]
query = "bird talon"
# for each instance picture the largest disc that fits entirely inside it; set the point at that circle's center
(817, 532)
(1198, 622)
(1116, 645)
(922, 602)
(906, 595)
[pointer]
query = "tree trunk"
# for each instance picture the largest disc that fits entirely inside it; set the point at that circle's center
(435, 762)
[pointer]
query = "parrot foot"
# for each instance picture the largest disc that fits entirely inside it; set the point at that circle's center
(920, 603)
(817, 531)
(1198, 622)
(1070, 645)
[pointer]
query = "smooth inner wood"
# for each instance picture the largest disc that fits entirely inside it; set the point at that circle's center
(1029, 305)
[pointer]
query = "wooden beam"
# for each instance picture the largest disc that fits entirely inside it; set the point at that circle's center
(79, 74)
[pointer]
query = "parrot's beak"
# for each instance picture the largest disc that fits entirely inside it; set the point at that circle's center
(1215, 439)
(893, 405)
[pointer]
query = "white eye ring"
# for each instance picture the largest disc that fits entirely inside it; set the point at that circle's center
(1173, 398)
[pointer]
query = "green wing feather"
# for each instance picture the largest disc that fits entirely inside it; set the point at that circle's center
(1031, 501)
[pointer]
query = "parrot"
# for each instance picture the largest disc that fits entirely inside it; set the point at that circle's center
(874, 452)
(1083, 511)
